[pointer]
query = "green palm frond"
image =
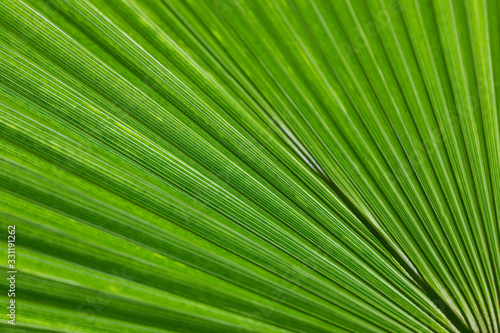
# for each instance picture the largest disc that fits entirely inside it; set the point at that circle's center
(250, 165)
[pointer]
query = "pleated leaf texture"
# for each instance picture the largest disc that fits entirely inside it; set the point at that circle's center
(249, 166)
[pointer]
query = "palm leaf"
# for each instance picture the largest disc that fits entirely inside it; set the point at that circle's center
(251, 165)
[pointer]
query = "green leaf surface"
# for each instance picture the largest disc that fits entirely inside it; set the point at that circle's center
(250, 165)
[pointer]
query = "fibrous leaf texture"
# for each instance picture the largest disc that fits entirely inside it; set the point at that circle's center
(250, 166)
